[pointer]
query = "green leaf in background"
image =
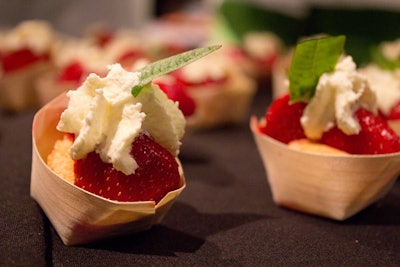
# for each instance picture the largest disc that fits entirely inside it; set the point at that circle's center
(310, 60)
(164, 66)
(244, 16)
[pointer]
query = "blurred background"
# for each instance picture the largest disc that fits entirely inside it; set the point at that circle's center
(258, 30)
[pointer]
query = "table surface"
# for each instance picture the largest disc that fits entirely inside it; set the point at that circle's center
(225, 215)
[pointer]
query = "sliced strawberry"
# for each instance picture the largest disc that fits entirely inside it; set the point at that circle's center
(176, 92)
(375, 137)
(156, 175)
(283, 120)
(394, 113)
(73, 72)
(20, 59)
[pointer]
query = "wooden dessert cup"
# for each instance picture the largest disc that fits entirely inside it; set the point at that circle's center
(332, 186)
(77, 215)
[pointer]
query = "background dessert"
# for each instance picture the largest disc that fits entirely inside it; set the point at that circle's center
(25, 53)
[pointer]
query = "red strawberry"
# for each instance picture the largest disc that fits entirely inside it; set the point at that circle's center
(156, 175)
(283, 120)
(72, 72)
(20, 59)
(394, 113)
(176, 92)
(375, 137)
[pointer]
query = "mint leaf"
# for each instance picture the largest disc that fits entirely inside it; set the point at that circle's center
(310, 60)
(164, 66)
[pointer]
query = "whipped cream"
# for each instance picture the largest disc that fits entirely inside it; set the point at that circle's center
(34, 34)
(338, 94)
(386, 85)
(106, 118)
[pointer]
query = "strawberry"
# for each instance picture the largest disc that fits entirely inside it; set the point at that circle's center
(394, 113)
(375, 136)
(176, 92)
(283, 120)
(156, 175)
(72, 72)
(20, 59)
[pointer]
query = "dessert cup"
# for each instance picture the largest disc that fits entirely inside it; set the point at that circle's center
(17, 88)
(331, 186)
(79, 216)
(221, 105)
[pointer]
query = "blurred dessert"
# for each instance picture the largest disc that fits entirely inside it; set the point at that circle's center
(213, 91)
(325, 148)
(263, 49)
(25, 53)
(75, 58)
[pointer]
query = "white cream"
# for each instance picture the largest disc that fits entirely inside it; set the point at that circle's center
(33, 34)
(106, 118)
(386, 85)
(338, 94)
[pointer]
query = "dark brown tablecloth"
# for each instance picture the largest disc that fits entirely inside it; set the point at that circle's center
(225, 216)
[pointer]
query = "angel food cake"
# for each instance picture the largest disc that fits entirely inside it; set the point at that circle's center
(115, 153)
(328, 122)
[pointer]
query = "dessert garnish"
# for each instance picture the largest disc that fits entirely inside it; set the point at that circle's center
(164, 66)
(311, 59)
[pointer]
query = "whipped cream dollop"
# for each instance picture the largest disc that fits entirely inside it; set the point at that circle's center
(338, 94)
(36, 35)
(106, 118)
(386, 85)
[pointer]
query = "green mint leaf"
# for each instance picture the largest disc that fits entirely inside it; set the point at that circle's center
(310, 60)
(164, 66)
